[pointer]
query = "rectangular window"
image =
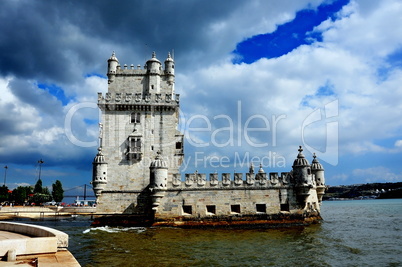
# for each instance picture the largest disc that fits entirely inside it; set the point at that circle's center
(187, 209)
(235, 208)
(211, 209)
(285, 207)
(261, 208)
(134, 148)
(179, 145)
(135, 144)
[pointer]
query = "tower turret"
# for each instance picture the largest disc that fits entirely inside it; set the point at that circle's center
(303, 178)
(99, 173)
(153, 70)
(318, 171)
(302, 170)
(169, 69)
(112, 64)
(158, 180)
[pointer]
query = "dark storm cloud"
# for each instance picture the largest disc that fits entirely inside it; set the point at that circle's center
(55, 39)
(7, 123)
(40, 99)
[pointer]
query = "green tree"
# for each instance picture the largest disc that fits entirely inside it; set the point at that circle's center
(38, 187)
(57, 191)
(4, 195)
(21, 194)
(41, 194)
(40, 198)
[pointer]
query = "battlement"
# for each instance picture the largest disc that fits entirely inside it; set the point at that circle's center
(125, 70)
(228, 180)
(139, 99)
(136, 71)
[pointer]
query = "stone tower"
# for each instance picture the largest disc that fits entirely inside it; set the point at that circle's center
(140, 114)
(304, 182)
(318, 171)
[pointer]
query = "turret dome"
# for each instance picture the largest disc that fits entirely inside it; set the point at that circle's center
(99, 158)
(158, 162)
(169, 58)
(153, 59)
(300, 161)
(316, 165)
(113, 57)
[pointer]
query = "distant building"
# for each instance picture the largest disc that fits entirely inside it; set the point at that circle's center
(136, 171)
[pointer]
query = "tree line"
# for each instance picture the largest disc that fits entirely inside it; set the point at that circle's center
(38, 194)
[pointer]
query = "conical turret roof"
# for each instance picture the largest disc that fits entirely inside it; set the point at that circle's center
(316, 165)
(300, 161)
(158, 162)
(113, 57)
(153, 59)
(99, 158)
(169, 58)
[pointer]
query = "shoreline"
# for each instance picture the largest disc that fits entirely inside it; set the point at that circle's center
(34, 212)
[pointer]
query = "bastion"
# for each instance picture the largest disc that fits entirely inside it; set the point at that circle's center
(135, 185)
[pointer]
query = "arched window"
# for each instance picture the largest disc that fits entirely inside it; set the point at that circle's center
(135, 117)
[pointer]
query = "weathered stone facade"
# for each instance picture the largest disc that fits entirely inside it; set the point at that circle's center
(136, 171)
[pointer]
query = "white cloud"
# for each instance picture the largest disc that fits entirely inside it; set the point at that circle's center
(339, 178)
(347, 59)
(377, 174)
(398, 143)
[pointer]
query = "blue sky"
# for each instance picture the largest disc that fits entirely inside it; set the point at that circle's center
(289, 35)
(322, 74)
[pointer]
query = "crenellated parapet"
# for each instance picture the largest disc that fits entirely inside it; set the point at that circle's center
(152, 67)
(230, 180)
(135, 101)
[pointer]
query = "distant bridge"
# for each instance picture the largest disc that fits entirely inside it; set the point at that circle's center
(82, 192)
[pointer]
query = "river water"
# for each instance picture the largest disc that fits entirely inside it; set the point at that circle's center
(353, 233)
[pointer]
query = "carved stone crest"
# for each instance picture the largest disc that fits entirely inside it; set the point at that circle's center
(176, 179)
(213, 178)
(238, 178)
(118, 97)
(158, 97)
(226, 178)
(147, 97)
(129, 97)
(108, 97)
(189, 179)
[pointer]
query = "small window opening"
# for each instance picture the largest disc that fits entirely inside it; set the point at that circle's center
(179, 145)
(235, 208)
(211, 209)
(135, 117)
(285, 207)
(152, 86)
(152, 148)
(187, 209)
(261, 208)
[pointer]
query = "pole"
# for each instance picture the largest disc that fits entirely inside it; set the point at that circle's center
(40, 167)
(5, 174)
(85, 191)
